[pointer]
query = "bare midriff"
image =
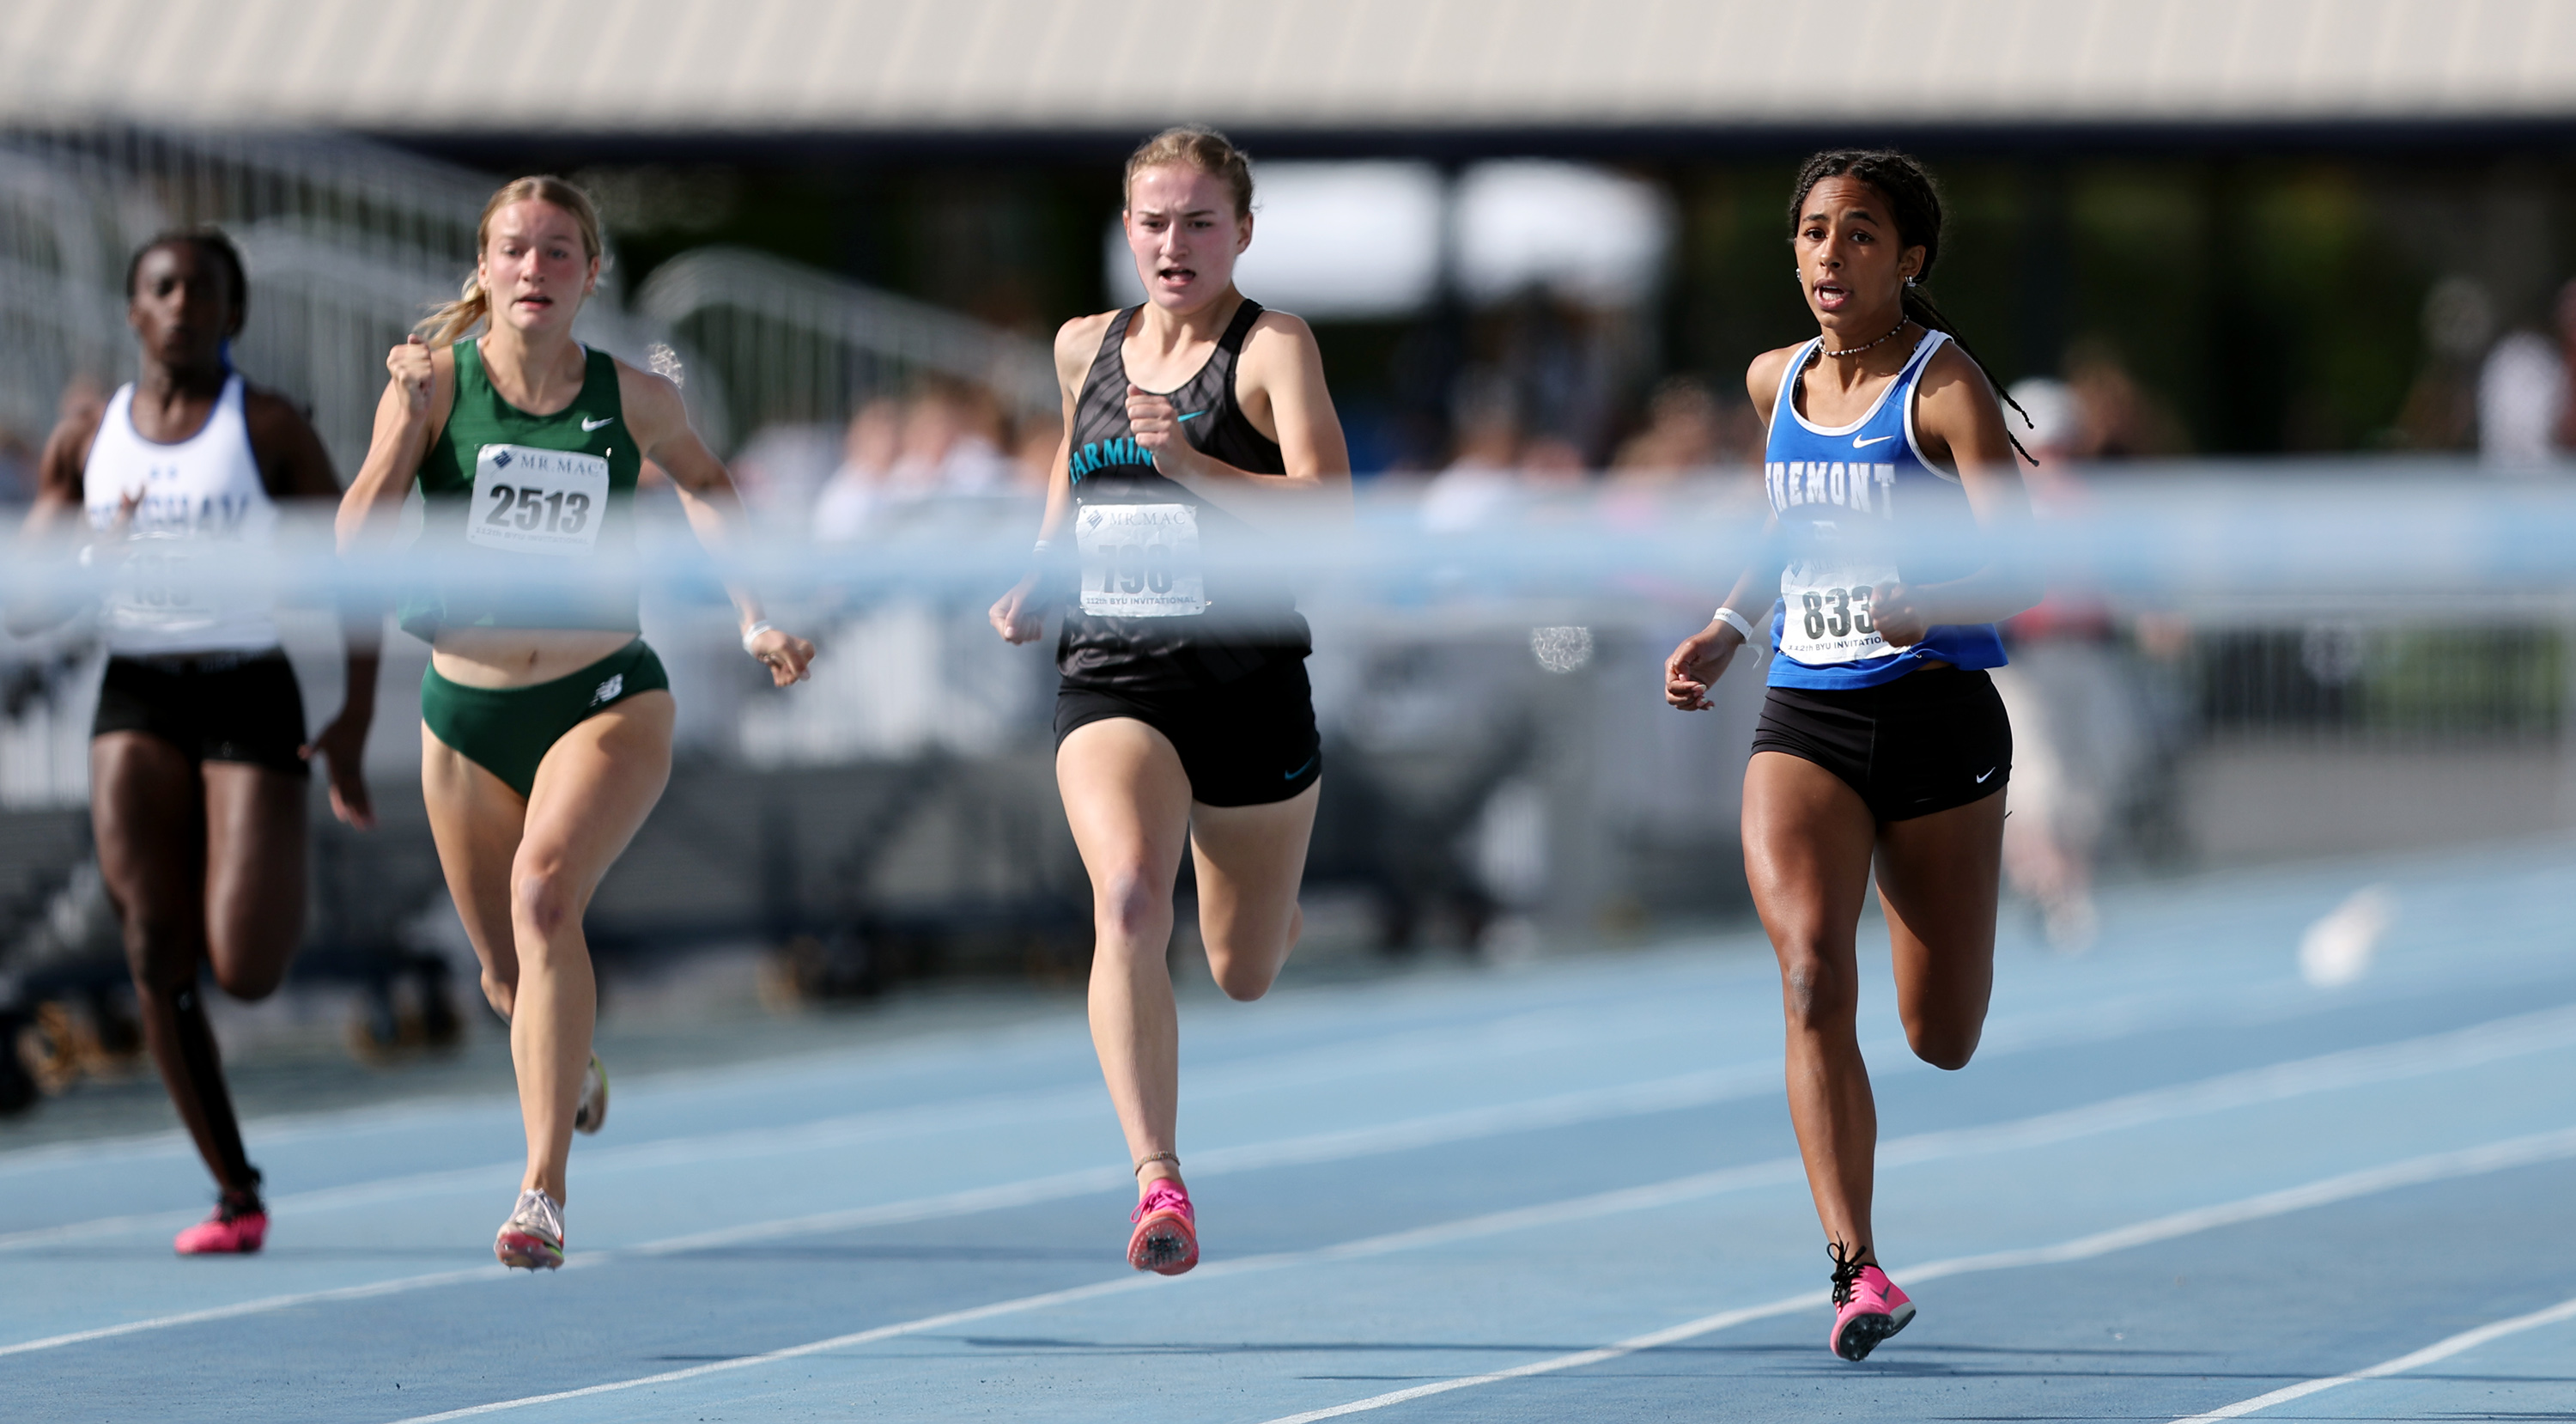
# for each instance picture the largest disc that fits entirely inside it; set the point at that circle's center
(520, 657)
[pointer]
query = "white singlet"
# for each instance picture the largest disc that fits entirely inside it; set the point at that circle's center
(206, 487)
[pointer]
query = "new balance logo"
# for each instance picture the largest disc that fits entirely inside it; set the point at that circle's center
(608, 691)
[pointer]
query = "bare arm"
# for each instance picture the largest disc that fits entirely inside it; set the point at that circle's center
(1704, 656)
(56, 517)
(408, 418)
(295, 467)
(1958, 422)
(660, 422)
(1019, 616)
(1280, 385)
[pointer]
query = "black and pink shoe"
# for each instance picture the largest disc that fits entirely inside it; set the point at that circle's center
(1867, 1306)
(239, 1227)
(1166, 1240)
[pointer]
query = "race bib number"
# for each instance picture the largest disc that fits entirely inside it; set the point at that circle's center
(1140, 560)
(1828, 614)
(154, 583)
(537, 501)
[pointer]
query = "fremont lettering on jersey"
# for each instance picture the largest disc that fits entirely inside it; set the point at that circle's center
(1100, 454)
(1869, 489)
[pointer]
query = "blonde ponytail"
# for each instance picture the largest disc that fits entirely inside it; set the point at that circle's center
(453, 321)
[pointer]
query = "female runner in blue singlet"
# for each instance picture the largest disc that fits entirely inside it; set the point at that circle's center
(1882, 744)
(1194, 424)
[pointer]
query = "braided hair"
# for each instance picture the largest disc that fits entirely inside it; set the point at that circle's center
(1914, 203)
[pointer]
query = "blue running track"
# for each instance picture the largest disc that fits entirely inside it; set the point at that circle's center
(2176, 1181)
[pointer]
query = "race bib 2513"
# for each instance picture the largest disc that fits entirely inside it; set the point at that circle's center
(530, 501)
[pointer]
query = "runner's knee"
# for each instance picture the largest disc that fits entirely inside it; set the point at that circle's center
(1131, 907)
(1944, 1046)
(542, 898)
(1244, 964)
(1816, 991)
(160, 952)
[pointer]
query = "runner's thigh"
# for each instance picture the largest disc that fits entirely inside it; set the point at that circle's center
(1938, 877)
(1250, 861)
(592, 792)
(255, 873)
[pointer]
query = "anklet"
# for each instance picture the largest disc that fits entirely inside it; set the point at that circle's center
(1157, 1157)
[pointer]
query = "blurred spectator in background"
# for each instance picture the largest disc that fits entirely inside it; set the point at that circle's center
(2441, 410)
(1482, 476)
(951, 443)
(2115, 417)
(17, 468)
(2525, 413)
(1035, 442)
(856, 491)
(1685, 432)
(2080, 738)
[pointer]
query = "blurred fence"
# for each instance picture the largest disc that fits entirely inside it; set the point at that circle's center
(1500, 760)
(800, 347)
(349, 243)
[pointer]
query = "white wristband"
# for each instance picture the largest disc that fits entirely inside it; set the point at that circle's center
(754, 631)
(1734, 620)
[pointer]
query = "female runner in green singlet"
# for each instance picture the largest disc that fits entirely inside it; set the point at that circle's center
(546, 721)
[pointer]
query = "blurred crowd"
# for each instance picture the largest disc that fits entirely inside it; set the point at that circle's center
(944, 437)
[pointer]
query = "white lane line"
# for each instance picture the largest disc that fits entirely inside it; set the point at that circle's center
(2439, 1350)
(2467, 1047)
(2488, 1158)
(247, 1307)
(2412, 1057)
(2440, 1166)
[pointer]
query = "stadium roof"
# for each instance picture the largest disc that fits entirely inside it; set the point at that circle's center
(1015, 66)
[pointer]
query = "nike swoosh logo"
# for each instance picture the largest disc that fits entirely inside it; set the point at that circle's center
(1301, 770)
(590, 425)
(1989, 772)
(1193, 415)
(1860, 444)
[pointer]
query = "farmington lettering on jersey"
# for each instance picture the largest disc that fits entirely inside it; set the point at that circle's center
(1870, 489)
(1100, 454)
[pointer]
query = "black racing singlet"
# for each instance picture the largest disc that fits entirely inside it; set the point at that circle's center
(1157, 608)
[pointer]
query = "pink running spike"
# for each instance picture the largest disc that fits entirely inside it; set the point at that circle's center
(236, 1234)
(1873, 1310)
(1167, 1234)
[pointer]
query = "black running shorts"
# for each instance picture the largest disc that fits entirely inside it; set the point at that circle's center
(242, 707)
(1928, 741)
(1244, 743)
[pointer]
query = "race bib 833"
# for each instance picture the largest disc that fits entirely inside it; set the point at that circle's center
(529, 501)
(1827, 613)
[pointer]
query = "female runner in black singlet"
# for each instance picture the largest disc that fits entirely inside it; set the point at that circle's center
(1883, 749)
(1184, 715)
(198, 757)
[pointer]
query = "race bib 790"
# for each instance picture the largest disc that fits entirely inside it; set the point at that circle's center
(529, 501)
(1140, 560)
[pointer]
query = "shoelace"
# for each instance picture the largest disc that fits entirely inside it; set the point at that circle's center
(539, 1210)
(1159, 1197)
(232, 1207)
(1847, 1268)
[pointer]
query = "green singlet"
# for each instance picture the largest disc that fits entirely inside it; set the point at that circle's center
(508, 492)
